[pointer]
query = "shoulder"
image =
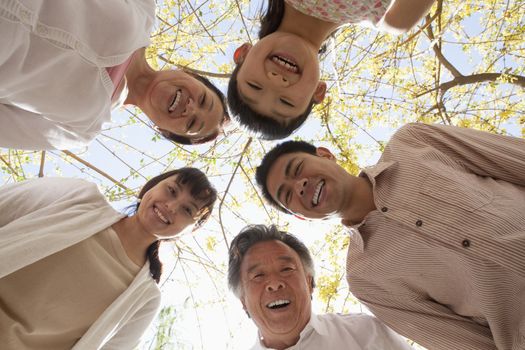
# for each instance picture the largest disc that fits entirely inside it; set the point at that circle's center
(72, 190)
(69, 184)
(355, 323)
(354, 319)
(56, 184)
(411, 129)
(367, 330)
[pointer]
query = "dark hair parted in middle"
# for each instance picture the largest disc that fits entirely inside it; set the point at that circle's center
(253, 234)
(261, 174)
(200, 188)
(263, 126)
(185, 140)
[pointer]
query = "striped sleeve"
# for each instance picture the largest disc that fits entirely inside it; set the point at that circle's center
(427, 322)
(485, 154)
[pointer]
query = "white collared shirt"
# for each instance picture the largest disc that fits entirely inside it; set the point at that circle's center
(338, 332)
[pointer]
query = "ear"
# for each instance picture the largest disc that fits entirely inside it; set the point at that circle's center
(320, 92)
(325, 153)
(161, 131)
(240, 54)
(244, 306)
(309, 281)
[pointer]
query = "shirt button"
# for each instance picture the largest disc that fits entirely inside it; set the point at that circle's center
(41, 29)
(419, 223)
(465, 243)
(25, 15)
(384, 209)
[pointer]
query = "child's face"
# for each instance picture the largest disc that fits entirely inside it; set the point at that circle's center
(279, 76)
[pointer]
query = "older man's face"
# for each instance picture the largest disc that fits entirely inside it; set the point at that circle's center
(276, 290)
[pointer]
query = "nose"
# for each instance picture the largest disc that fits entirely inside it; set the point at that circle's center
(278, 79)
(300, 186)
(190, 109)
(274, 285)
(174, 205)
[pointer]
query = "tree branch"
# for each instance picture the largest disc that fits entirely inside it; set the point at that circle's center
(437, 50)
(228, 188)
(91, 166)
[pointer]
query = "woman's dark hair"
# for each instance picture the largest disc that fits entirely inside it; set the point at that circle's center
(185, 140)
(200, 188)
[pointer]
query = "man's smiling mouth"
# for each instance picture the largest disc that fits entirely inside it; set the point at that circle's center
(278, 304)
(175, 101)
(317, 193)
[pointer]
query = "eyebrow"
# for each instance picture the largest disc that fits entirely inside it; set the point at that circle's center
(200, 127)
(286, 175)
(285, 258)
(246, 98)
(254, 102)
(211, 104)
(278, 114)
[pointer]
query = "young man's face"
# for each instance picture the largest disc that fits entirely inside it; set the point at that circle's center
(279, 76)
(276, 290)
(312, 186)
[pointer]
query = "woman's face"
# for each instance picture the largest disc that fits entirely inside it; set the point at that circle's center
(177, 102)
(168, 208)
(279, 75)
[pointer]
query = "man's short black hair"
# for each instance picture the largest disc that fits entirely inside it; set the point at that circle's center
(264, 126)
(261, 174)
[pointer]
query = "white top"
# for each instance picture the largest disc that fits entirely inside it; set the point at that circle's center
(342, 332)
(43, 216)
(55, 92)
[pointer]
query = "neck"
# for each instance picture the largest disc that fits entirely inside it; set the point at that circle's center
(139, 77)
(134, 239)
(310, 28)
(284, 341)
(360, 203)
(279, 342)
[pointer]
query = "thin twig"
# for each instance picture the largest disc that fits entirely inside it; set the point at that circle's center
(91, 166)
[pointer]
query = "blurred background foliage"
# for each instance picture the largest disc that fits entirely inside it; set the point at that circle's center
(463, 65)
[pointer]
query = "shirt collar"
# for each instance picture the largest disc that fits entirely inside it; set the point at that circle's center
(371, 173)
(314, 325)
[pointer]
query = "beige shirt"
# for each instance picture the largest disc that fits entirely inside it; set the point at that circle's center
(442, 259)
(51, 303)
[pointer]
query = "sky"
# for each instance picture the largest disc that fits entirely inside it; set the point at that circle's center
(207, 315)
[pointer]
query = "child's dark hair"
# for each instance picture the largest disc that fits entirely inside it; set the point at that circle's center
(272, 18)
(200, 188)
(185, 140)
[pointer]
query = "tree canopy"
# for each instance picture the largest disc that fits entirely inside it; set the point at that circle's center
(464, 65)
